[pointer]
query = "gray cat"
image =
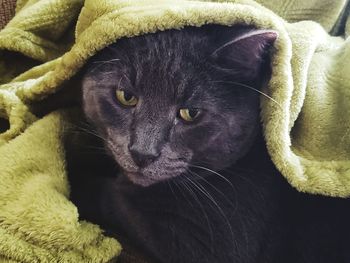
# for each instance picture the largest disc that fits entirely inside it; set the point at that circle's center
(186, 176)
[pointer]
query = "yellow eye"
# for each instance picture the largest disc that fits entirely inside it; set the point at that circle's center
(126, 98)
(189, 114)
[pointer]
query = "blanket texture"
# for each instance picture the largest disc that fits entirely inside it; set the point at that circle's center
(306, 123)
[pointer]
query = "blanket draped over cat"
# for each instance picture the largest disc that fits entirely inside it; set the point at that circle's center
(306, 121)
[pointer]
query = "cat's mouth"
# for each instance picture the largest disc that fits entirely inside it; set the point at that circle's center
(147, 177)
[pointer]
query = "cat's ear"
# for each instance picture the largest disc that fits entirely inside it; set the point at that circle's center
(244, 54)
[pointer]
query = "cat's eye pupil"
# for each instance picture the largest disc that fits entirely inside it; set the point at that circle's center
(192, 112)
(128, 96)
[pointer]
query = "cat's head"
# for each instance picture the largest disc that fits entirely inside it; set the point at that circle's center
(172, 100)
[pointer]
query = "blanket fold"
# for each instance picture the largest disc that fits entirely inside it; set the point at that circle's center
(306, 123)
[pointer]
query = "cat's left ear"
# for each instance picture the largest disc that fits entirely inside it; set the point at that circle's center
(244, 55)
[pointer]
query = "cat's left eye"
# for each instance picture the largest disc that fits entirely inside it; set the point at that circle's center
(188, 115)
(126, 98)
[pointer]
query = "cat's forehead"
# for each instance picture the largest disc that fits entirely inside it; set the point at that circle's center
(159, 65)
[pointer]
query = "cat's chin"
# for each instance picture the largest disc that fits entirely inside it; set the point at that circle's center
(140, 179)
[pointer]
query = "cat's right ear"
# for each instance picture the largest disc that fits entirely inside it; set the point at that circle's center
(245, 53)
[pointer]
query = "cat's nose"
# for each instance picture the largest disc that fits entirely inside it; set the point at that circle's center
(143, 157)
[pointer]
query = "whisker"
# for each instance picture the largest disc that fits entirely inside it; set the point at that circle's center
(171, 189)
(95, 150)
(246, 179)
(205, 214)
(89, 131)
(106, 61)
(209, 170)
(183, 193)
(234, 206)
(249, 87)
(200, 187)
(102, 63)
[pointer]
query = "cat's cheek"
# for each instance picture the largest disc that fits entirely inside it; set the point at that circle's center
(118, 143)
(90, 103)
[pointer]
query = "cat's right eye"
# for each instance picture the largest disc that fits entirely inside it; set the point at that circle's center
(126, 98)
(188, 115)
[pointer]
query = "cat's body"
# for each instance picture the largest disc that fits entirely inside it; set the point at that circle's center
(203, 190)
(270, 221)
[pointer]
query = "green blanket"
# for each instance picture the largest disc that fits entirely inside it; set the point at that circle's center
(306, 123)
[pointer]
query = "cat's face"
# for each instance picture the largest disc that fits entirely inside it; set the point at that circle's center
(173, 100)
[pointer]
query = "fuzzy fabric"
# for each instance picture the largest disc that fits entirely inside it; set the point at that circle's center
(306, 122)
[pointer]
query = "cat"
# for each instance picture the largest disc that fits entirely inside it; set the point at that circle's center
(184, 175)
